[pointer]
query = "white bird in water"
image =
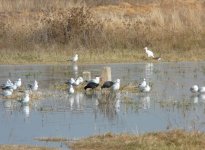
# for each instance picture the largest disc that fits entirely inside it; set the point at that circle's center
(201, 89)
(78, 81)
(25, 99)
(95, 80)
(18, 82)
(116, 85)
(143, 84)
(7, 92)
(146, 89)
(74, 58)
(194, 88)
(9, 85)
(34, 86)
(71, 89)
(70, 81)
(149, 52)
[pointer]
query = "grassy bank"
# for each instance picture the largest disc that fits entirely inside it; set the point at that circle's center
(23, 147)
(97, 57)
(177, 139)
(37, 31)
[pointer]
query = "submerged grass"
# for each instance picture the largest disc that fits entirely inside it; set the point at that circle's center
(176, 139)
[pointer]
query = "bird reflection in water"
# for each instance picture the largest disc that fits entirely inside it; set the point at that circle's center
(145, 99)
(26, 110)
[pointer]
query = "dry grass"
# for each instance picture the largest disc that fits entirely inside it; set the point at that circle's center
(37, 31)
(50, 139)
(170, 140)
(17, 95)
(23, 147)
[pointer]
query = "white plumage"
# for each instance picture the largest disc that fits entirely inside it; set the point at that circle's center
(18, 82)
(146, 89)
(34, 86)
(149, 52)
(25, 99)
(74, 58)
(201, 89)
(7, 92)
(142, 84)
(78, 81)
(71, 89)
(194, 89)
(95, 80)
(116, 85)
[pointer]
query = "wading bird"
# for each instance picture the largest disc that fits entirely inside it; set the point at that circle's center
(149, 52)
(74, 58)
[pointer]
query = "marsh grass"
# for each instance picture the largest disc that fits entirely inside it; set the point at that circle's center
(24, 147)
(130, 87)
(175, 139)
(101, 32)
(18, 94)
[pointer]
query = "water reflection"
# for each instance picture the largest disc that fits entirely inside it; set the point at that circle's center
(145, 99)
(26, 110)
(195, 99)
(75, 69)
(168, 105)
(149, 71)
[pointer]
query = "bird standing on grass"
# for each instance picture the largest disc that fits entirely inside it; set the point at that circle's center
(74, 58)
(18, 82)
(78, 81)
(116, 85)
(146, 89)
(70, 81)
(34, 86)
(142, 85)
(71, 89)
(95, 80)
(194, 89)
(149, 52)
(107, 84)
(91, 85)
(201, 89)
(8, 91)
(25, 99)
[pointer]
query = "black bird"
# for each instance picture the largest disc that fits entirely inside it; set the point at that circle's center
(5, 87)
(107, 84)
(91, 85)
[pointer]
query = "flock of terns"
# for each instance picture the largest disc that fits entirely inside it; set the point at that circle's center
(144, 87)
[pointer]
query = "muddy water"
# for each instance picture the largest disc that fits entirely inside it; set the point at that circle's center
(169, 105)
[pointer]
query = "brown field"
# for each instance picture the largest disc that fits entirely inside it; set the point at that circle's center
(170, 140)
(49, 31)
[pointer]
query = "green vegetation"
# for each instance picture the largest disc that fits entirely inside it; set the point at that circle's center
(37, 31)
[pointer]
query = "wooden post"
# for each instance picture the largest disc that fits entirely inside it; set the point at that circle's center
(86, 75)
(106, 74)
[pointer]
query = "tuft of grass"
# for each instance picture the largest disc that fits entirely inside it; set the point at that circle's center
(51, 139)
(175, 139)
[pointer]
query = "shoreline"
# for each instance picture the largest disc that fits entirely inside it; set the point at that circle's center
(90, 58)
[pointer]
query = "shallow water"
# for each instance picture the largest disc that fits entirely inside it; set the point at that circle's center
(169, 105)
